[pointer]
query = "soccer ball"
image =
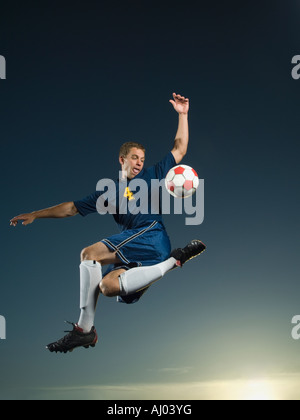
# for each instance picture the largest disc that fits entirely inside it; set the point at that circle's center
(182, 181)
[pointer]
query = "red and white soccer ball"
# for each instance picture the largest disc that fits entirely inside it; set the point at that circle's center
(182, 181)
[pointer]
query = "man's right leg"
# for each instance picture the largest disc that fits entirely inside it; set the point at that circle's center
(92, 259)
(84, 333)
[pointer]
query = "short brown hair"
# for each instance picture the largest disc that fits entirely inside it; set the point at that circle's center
(126, 147)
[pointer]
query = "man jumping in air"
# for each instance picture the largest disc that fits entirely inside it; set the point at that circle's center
(140, 255)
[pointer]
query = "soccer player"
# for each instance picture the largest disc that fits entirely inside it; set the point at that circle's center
(140, 255)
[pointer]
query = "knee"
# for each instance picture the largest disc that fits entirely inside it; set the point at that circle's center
(107, 288)
(85, 254)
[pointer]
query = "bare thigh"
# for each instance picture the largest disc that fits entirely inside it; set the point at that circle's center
(100, 253)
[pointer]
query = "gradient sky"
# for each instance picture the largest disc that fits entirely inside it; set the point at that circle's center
(82, 78)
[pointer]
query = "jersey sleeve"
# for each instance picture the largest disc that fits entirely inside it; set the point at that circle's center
(88, 204)
(162, 168)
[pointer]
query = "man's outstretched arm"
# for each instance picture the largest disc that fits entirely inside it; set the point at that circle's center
(181, 105)
(60, 211)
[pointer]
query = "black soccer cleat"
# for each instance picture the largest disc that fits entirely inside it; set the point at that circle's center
(192, 250)
(76, 338)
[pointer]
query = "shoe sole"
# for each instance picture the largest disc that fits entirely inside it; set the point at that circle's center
(87, 346)
(93, 344)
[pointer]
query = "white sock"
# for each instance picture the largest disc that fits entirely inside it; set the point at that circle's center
(90, 277)
(139, 278)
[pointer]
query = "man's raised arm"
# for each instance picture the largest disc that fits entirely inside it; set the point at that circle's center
(60, 211)
(181, 105)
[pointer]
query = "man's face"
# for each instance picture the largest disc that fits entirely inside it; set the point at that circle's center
(133, 163)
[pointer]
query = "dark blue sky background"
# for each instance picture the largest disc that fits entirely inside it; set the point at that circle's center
(82, 78)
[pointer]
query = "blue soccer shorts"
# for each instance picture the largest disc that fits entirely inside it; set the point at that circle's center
(146, 246)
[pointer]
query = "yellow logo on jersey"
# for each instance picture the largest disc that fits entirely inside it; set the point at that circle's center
(128, 194)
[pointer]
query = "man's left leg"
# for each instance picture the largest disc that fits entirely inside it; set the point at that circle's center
(127, 282)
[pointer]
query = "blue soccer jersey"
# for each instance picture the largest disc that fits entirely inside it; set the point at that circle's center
(128, 220)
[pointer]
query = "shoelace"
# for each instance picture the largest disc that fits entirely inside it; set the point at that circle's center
(71, 323)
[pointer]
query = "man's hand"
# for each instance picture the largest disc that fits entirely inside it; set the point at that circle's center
(27, 219)
(180, 104)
